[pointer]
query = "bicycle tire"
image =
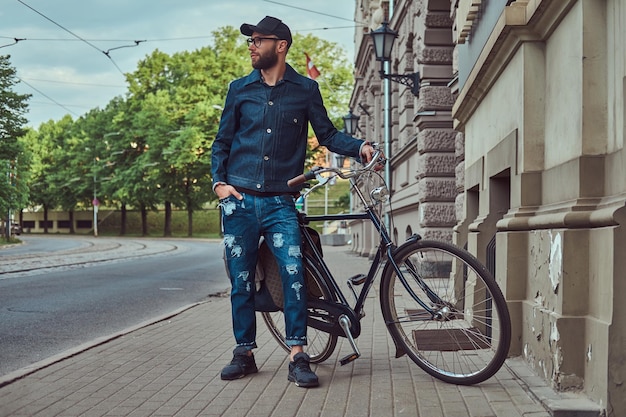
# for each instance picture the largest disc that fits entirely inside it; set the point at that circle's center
(469, 340)
(320, 345)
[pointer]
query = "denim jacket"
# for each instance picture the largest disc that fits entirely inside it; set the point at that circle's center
(262, 139)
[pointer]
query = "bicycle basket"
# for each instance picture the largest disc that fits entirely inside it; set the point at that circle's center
(268, 277)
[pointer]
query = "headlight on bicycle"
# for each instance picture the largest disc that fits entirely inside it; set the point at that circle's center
(379, 194)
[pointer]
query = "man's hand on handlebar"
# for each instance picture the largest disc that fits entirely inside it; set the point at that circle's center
(367, 153)
(371, 157)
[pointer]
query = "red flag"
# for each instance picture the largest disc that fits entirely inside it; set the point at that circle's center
(311, 70)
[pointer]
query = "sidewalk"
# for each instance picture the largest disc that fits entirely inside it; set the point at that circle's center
(171, 367)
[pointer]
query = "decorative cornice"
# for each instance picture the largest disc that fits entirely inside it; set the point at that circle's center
(520, 22)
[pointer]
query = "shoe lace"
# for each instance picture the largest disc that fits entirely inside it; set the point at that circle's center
(240, 360)
(302, 365)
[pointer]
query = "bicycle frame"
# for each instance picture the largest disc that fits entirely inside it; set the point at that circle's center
(386, 247)
(347, 317)
(358, 307)
(435, 311)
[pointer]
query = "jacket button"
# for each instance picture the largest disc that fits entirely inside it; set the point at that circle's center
(271, 103)
(269, 130)
(295, 120)
(258, 186)
(267, 158)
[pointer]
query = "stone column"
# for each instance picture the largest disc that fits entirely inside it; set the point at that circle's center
(436, 137)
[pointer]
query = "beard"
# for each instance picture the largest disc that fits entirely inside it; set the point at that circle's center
(266, 61)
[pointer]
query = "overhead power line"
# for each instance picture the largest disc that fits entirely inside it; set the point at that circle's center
(75, 83)
(61, 26)
(47, 96)
(15, 40)
(313, 11)
(184, 38)
(106, 53)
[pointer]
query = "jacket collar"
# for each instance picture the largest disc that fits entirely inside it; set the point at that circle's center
(290, 75)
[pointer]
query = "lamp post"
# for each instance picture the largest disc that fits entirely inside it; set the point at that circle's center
(350, 122)
(340, 160)
(350, 125)
(95, 201)
(384, 38)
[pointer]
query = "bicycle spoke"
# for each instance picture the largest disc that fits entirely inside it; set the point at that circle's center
(466, 338)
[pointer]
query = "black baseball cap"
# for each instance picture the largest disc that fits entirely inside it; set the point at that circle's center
(269, 26)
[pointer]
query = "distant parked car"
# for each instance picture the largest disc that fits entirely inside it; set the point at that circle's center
(16, 229)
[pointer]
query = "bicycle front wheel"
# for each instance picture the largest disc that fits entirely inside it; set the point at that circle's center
(320, 345)
(461, 331)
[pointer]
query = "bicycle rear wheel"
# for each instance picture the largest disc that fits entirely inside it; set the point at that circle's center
(320, 345)
(466, 339)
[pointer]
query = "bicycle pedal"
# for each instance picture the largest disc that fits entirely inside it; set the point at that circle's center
(357, 279)
(351, 357)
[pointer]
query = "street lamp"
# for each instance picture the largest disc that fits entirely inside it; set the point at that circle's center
(350, 121)
(95, 201)
(383, 38)
(340, 160)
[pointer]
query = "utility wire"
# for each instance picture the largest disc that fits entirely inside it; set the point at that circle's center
(312, 11)
(47, 96)
(123, 46)
(61, 26)
(81, 106)
(16, 40)
(112, 40)
(75, 35)
(75, 83)
(327, 28)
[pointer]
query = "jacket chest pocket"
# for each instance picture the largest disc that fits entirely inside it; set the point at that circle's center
(293, 123)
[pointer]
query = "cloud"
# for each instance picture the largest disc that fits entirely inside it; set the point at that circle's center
(79, 76)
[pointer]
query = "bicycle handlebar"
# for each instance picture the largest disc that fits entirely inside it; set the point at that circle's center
(302, 178)
(377, 159)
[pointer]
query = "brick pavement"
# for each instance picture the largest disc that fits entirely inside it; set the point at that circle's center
(170, 366)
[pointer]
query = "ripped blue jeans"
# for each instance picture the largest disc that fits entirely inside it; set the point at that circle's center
(245, 221)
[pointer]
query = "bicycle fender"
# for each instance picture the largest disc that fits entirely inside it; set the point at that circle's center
(399, 350)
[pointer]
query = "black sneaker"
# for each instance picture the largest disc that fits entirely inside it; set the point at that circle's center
(241, 365)
(300, 372)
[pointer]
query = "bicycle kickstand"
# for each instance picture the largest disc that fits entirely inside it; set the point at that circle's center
(344, 322)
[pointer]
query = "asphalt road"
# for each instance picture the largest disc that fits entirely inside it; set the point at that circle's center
(57, 293)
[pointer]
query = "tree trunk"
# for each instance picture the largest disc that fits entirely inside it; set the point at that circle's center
(71, 216)
(189, 221)
(167, 227)
(45, 219)
(144, 220)
(123, 221)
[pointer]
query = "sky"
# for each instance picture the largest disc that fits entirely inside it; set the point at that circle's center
(60, 57)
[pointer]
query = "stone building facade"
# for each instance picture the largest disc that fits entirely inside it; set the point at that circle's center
(421, 140)
(541, 116)
(516, 140)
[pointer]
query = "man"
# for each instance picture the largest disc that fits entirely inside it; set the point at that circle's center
(261, 143)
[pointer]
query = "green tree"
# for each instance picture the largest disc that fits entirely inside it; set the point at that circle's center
(336, 78)
(13, 106)
(132, 171)
(177, 118)
(151, 148)
(50, 180)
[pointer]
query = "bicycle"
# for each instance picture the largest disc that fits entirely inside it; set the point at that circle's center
(441, 306)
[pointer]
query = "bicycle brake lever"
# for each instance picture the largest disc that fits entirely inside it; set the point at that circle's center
(321, 180)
